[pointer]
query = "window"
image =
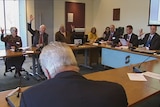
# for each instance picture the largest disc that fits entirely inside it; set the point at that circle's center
(13, 14)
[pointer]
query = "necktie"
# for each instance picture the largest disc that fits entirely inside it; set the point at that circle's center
(110, 37)
(128, 38)
(40, 39)
(148, 42)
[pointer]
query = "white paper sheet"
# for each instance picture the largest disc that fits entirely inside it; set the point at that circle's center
(29, 52)
(136, 77)
(123, 42)
(152, 75)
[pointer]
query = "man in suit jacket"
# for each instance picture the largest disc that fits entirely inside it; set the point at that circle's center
(40, 37)
(130, 37)
(151, 40)
(68, 88)
(114, 36)
(63, 36)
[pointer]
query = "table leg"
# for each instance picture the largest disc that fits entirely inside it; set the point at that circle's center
(34, 72)
(86, 59)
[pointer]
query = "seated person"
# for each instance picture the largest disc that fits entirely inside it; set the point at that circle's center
(105, 35)
(130, 37)
(61, 35)
(66, 87)
(113, 38)
(92, 36)
(40, 37)
(14, 42)
(151, 40)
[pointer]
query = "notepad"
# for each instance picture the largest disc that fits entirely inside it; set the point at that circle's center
(136, 77)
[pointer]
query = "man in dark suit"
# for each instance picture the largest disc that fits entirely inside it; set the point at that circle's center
(130, 37)
(114, 36)
(68, 88)
(63, 36)
(40, 37)
(151, 40)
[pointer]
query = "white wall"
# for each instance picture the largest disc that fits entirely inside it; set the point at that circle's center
(59, 13)
(30, 10)
(133, 12)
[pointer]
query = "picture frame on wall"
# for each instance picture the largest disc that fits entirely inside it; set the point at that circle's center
(116, 14)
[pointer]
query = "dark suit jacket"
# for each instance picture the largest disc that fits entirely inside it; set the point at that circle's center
(70, 89)
(36, 35)
(155, 42)
(60, 37)
(133, 39)
(115, 38)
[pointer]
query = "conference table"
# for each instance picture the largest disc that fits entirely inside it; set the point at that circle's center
(136, 91)
(34, 52)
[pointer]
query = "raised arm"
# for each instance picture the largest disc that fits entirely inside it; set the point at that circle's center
(29, 26)
(2, 36)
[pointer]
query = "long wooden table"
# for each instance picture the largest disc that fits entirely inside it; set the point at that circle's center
(136, 91)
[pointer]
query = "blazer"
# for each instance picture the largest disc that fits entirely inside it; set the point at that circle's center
(155, 42)
(11, 41)
(36, 35)
(133, 39)
(60, 37)
(71, 89)
(115, 38)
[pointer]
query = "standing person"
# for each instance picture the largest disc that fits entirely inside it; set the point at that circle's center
(66, 87)
(13, 42)
(130, 37)
(39, 37)
(151, 40)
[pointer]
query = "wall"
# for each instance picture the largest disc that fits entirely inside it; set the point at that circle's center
(59, 13)
(133, 12)
(30, 10)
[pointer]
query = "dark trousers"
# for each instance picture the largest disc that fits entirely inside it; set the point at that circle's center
(17, 62)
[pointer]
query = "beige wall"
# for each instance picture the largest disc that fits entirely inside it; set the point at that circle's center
(30, 10)
(99, 14)
(59, 13)
(133, 12)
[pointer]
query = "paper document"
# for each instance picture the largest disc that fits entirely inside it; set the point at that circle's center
(24, 48)
(136, 77)
(122, 47)
(29, 52)
(152, 75)
(123, 42)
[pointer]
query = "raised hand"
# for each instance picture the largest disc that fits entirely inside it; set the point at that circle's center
(31, 18)
(2, 30)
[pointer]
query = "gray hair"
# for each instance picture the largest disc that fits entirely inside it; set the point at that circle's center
(13, 29)
(42, 26)
(55, 56)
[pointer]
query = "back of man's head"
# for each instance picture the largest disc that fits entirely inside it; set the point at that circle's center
(57, 57)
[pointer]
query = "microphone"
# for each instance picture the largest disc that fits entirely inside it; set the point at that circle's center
(138, 69)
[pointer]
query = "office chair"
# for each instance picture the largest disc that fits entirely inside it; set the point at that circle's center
(12, 68)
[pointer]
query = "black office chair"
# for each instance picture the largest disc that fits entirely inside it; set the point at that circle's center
(12, 68)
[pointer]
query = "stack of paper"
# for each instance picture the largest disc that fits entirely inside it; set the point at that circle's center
(136, 77)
